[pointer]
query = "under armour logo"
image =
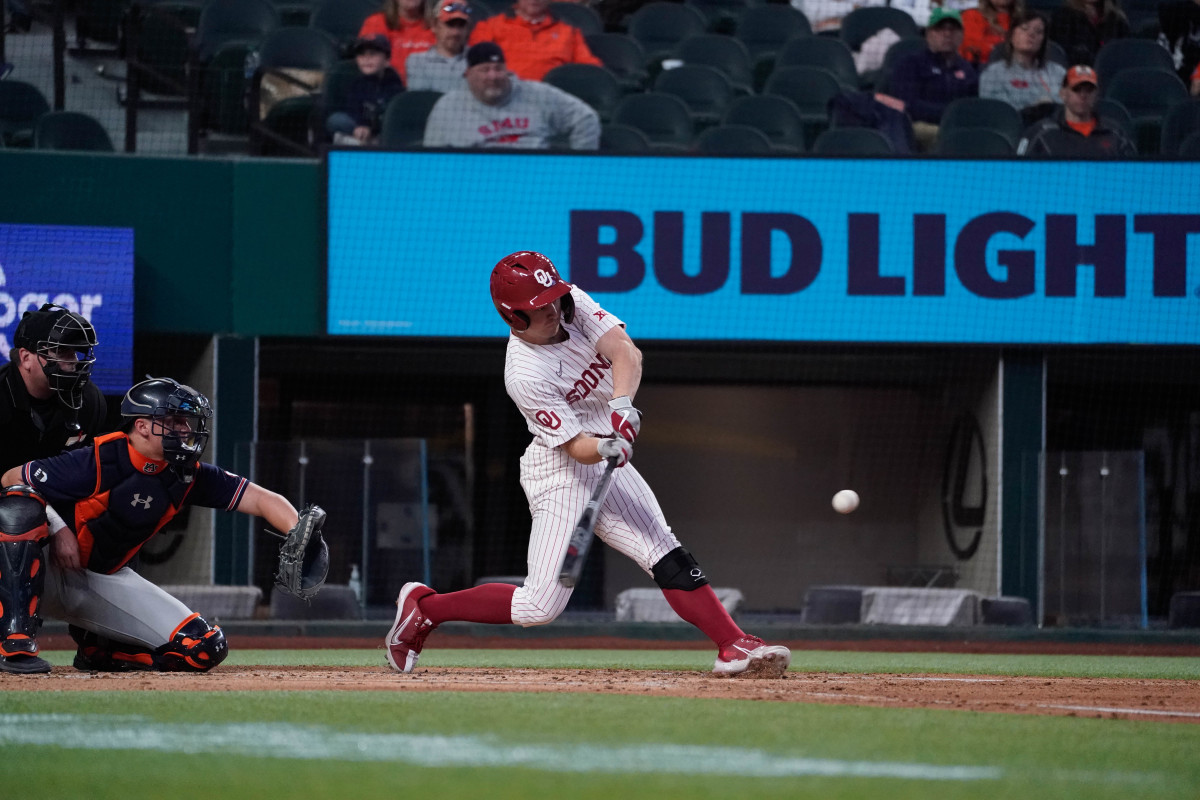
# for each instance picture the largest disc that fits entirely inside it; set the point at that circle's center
(138, 501)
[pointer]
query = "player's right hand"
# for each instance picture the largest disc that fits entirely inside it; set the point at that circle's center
(617, 447)
(65, 550)
(626, 420)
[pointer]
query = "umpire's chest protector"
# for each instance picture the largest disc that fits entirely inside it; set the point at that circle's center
(134, 498)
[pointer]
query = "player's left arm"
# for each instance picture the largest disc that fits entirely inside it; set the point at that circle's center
(274, 508)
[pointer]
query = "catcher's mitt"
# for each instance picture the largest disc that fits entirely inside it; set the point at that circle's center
(304, 556)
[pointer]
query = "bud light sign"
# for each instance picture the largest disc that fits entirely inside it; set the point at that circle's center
(85, 270)
(794, 249)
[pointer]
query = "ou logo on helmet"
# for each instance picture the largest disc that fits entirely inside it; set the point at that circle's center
(543, 277)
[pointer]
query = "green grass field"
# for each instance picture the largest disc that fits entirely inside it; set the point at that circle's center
(344, 744)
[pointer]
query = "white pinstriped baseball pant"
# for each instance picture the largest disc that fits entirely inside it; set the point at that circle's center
(630, 521)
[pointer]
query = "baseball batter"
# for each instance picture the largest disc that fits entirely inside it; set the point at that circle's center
(122, 490)
(573, 372)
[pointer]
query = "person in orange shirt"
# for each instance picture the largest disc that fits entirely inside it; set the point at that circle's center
(405, 25)
(986, 26)
(534, 40)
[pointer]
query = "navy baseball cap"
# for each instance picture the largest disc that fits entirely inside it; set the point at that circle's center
(484, 53)
(377, 42)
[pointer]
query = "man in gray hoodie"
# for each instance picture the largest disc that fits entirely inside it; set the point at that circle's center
(499, 110)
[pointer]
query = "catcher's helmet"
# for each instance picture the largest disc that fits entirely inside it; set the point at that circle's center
(64, 340)
(526, 280)
(178, 413)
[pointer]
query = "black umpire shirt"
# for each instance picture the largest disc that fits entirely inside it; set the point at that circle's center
(32, 428)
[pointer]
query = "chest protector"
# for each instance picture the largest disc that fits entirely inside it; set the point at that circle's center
(134, 498)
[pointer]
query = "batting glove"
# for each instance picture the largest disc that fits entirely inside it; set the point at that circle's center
(617, 447)
(626, 420)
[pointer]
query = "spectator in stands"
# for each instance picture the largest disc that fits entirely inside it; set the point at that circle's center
(986, 26)
(1025, 78)
(497, 109)
(534, 40)
(441, 67)
(19, 18)
(1083, 26)
(360, 120)
(1180, 24)
(1074, 130)
(403, 23)
(923, 83)
(825, 16)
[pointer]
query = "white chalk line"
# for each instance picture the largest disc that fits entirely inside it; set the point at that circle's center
(1108, 710)
(277, 740)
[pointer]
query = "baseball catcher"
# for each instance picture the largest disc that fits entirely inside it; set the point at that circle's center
(304, 556)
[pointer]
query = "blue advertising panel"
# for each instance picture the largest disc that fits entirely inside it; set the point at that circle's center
(800, 249)
(86, 270)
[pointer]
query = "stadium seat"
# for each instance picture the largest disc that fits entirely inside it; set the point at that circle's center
(1148, 93)
(334, 93)
(721, 16)
(705, 90)
(342, 19)
(852, 142)
(21, 104)
(226, 21)
(615, 138)
(765, 28)
(660, 26)
(775, 116)
(294, 13)
(1189, 148)
(70, 130)
(811, 89)
(292, 66)
(1119, 55)
(404, 119)
(223, 87)
(164, 45)
(663, 118)
(983, 112)
(734, 140)
(825, 52)
(623, 56)
(898, 50)
(594, 85)
(721, 52)
(1115, 113)
(971, 142)
(288, 129)
(1182, 121)
(864, 22)
(584, 17)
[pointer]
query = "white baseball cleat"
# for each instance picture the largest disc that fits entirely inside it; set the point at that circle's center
(407, 636)
(752, 658)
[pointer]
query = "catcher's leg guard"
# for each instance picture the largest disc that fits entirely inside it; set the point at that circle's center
(195, 647)
(23, 531)
(98, 653)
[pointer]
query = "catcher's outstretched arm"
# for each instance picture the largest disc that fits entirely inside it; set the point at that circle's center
(274, 508)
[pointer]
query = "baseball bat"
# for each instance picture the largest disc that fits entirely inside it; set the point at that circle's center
(581, 536)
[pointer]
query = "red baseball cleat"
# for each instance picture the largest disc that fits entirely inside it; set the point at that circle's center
(751, 657)
(407, 636)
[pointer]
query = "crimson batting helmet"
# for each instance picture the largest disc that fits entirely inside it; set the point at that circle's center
(526, 280)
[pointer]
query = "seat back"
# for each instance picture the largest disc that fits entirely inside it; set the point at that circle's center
(594, 85)
(774, 115)
(705, 90)
(1118, 55)
(663, 118)
(720, 16)
(584, 17)
(810, 88)
(164, 46)
(225, 21)
(863, 23)
(1115, 113)
(1181, 121)
(765, 28)
(724, 53)
(342, 19)
(733, 140)
(70, 130)
(624, 57)
(617, 138)
(21, 104)
(1146, 91)
(1189, 148)
(827, 52)
(660, 26)
(984, 112)
(293, 63)
(404, 119)
(852, 142)
(970, 142)
(898, 50)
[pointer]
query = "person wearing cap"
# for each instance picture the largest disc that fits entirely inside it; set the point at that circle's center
(924, 82)
(360, 119)
(406, 27)
(534, 39)
(48, 402)
(497, 109)
(1075, 130)
(441, 67)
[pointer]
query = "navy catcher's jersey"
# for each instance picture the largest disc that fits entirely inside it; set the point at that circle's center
(121, 498)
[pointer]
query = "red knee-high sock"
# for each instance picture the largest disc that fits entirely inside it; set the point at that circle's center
(491, 602)
(702, 608)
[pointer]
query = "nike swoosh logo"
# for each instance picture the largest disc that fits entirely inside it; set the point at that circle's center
(404, 624)
(744, 650)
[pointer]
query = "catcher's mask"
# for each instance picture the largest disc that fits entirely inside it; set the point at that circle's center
(63, 340)
(177, 413)
(526, 280)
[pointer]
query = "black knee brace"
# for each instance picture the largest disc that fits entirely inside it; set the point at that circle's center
(23, 533)
(678, 570)
(197, 647)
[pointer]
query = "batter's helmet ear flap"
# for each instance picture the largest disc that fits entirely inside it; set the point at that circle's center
(568, 308)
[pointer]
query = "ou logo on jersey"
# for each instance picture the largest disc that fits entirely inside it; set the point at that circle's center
(543, 277)
(548, 419)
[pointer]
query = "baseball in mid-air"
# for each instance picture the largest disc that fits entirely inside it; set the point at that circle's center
(845, 501)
